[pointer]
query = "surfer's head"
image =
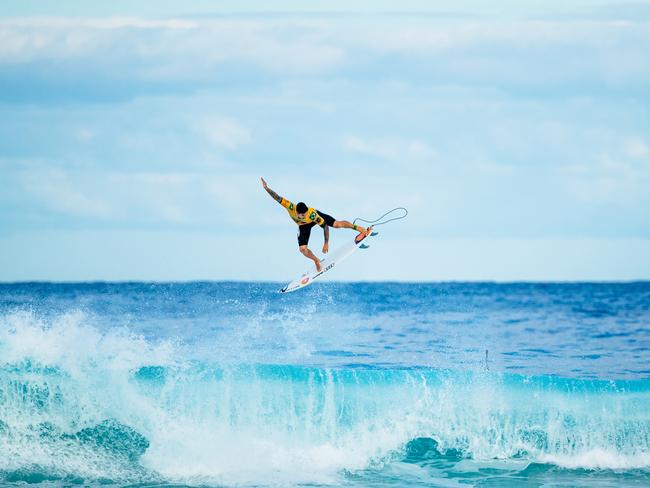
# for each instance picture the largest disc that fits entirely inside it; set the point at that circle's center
(301, 209)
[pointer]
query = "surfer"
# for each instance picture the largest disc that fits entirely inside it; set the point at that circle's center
(307, 217)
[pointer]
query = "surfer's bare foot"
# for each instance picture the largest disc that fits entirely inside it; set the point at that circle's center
(319, 267)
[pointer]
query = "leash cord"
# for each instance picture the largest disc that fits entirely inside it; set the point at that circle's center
(378, 222)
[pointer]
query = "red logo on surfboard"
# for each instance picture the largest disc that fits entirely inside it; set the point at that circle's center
(305, 280)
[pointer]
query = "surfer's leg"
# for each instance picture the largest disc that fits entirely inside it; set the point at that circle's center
(310, 255)
(304, 231)
(344, 224)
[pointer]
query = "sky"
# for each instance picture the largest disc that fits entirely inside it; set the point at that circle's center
(133, 136)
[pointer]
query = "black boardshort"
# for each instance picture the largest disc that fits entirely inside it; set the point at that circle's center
(304, 231)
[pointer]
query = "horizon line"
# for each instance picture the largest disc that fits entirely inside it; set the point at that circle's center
(338, 282)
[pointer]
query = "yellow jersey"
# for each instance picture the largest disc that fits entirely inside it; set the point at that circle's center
(311, 215)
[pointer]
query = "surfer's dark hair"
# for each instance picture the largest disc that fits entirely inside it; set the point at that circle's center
(301, 207)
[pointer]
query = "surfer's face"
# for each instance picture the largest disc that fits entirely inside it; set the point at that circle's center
(302, 215)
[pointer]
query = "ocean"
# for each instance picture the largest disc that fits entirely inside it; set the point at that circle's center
(225, 384)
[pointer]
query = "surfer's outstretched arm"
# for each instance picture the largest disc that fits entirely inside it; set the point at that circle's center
(275, 196)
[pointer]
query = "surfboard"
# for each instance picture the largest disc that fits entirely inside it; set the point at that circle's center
(333, 259)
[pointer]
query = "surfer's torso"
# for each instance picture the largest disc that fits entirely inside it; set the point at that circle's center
(311, 215)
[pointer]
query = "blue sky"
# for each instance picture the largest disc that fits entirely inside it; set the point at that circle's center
(133, 135)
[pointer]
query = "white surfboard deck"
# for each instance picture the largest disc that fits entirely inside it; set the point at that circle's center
(332, 259)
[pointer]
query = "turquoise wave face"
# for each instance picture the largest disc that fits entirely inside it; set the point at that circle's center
(198, 423)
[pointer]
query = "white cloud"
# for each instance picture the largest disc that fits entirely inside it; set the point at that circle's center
(389, 148)
(224, 132)
(98, 23)
(295, 45)
(84, 134)
(59, 193)
(635, 147)
(180, 49)
(608, 179)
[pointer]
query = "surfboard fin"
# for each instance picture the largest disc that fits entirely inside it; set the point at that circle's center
(364, 246)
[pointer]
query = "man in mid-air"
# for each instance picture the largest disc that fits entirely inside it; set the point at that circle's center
(307, 217)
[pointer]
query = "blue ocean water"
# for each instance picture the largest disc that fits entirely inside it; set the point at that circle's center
(356, 385)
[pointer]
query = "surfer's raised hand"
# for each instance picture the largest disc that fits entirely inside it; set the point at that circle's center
(274, 195)
(326, 247)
